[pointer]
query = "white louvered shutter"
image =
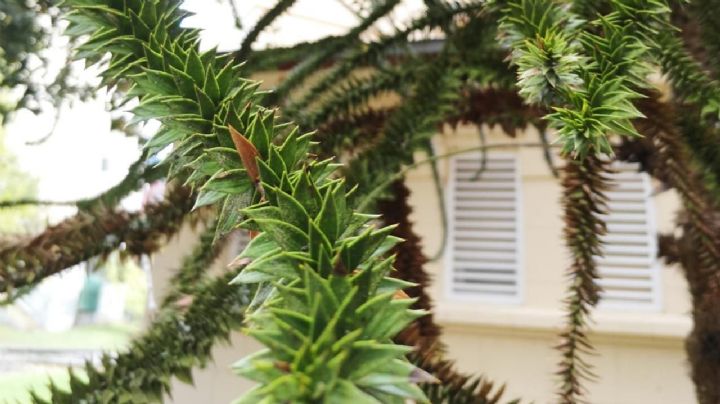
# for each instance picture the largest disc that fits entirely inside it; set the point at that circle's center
(629, 271)
(483, 260)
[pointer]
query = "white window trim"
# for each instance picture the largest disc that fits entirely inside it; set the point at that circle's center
(448, 267)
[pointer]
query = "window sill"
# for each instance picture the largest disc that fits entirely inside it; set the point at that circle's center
(533, 320)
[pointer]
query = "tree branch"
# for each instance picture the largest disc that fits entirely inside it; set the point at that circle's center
(90, 234)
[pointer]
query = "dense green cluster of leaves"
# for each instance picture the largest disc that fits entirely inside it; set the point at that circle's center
(140, 173)
(194, 94)
(327, 310)
(588, 72)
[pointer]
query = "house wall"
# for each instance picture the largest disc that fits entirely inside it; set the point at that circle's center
(640, 352)
(215, 384)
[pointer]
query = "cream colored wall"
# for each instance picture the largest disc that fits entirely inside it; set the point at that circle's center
(632, 371)
(216, 384)
(641, 357)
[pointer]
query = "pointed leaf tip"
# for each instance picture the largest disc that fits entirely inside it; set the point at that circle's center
(419, 375)
(247, 152)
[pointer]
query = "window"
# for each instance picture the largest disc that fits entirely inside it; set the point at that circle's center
(483, 260)
(629, 271)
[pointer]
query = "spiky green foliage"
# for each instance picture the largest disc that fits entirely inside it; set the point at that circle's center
(695, 90)
(588, 78)
(543, 48)
(271, 15)
(194, 94)
(689, 67)
(584, 183)
(429, 96)
(456, 388)
(686, 75)
(699, 245)
(158, 142)
(701, 13)
(196, 314)
(410, 262)
(697, 94)
(310, 65)
(429, 87)
(326, 310)
(410, 126)
(375, 52)
(551, 71)
(354, 95)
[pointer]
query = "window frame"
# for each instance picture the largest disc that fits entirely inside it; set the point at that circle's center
(448, 259)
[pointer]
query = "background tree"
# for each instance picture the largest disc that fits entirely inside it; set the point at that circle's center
(29, 78)
(15, 184)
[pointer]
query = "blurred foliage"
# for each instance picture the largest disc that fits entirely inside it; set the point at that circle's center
(31, 76)
(15, 184)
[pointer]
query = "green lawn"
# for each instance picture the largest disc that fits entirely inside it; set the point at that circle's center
(14, 387)
(83, 337)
